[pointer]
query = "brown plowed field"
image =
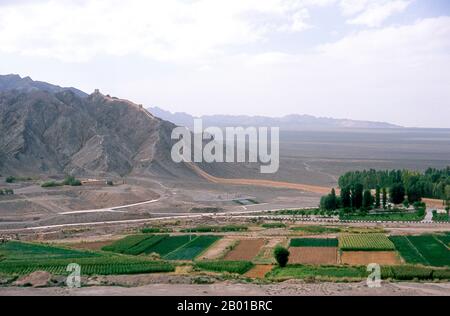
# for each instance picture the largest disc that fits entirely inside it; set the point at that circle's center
(313, 255)
(259, 271)
(366, 257)
(247, 249)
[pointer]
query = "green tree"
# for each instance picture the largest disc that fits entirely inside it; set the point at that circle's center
(397, 193)
(357, 195)
(367, 200)
(447, 195)
(414, 193)
(329, 202)
(377, 197)
(10, 179)
(281, 255)
(346, 198)
(384, 198)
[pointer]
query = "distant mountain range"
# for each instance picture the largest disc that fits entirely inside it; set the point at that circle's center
(48, 129)
(289, 122)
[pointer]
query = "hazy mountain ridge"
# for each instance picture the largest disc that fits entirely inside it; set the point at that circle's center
(26, 84)
(289, 122)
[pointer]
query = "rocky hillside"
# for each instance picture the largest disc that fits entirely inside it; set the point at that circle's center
(42, 132)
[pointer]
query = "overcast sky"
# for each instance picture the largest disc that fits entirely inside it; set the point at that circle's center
(382, 60)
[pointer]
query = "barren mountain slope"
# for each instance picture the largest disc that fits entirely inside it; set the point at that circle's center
(98, 135)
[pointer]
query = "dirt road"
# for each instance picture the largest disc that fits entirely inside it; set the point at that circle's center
(289, 288)
(262, 183)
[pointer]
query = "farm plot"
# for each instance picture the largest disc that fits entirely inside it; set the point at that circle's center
(192, 249)
(144, 245)
(259, 271)
(89, 266)
(313, 255)
(169, 244)
(23, 258)
(247, 249)
(362, 258)
(22, 251)
(425, 249)
(123, 245)
(239, 267)
(365, 242)
(445, 239)
(314, 242)
(407, 250)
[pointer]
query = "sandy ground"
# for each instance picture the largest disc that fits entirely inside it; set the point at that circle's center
(368, 257)
(262, 183)
(289, 288)
(218, 250)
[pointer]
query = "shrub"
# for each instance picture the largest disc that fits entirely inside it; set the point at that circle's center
(281, 255)
(72, 181)
(239, 267)
(51, 184)
(273, 225)
(10, 179)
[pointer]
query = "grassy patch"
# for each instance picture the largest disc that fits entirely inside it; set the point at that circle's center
(273, 225)
(307, 212)
(365, 242)
(239, 267)
(388, 217)
(318, 272)
(316, 229)
(216, 229)
(155, 230)
(346, 273)
(314, 242)
(441, 217)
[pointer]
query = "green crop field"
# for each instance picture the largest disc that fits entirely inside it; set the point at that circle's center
(239, 267)
(317, 229)
(89, 266)
(314, 242)
(169, 244)
(216, 229)
(433, 250)
(192, 249)
(407, 250)
(23, 258)
(425, 249)
(15, 250)
(319, 272)
(123, 245)
(144, 245)
(341, 273)
(365, 242)
(445, 238)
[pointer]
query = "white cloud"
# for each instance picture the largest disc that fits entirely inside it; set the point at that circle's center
(372, 13)
(169, 30)
(419, 41)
